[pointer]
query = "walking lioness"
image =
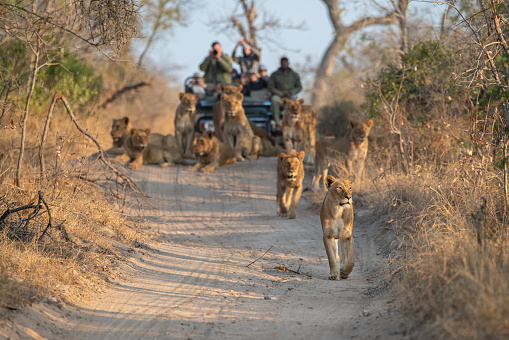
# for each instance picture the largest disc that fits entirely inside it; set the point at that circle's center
(336, 216)
(290, 173)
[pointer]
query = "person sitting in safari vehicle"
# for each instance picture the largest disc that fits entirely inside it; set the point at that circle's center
(256, 88)
(217, 67)
(198, 85)
(284, 83)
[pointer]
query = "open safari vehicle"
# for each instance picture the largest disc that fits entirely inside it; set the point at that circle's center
(256, 106)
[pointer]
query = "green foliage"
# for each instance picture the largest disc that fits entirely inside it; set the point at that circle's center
(72, 77)
(425, 79)
(13, 61)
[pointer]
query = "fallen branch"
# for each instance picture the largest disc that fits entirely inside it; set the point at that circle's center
(123, 90)
(23, 224)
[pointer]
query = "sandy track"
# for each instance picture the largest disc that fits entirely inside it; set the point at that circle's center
(195, 283)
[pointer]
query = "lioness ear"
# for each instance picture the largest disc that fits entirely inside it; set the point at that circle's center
(196, 96)
(282, 156)
(133, 131)
(353, 123)
(181, 95)
(147, 131)
(285, 101)
(301, 155)
(350, 179)
(240, 87)
(125, 120)
(301, 101)
(209, 134)
(240, 96)
(369, 123)
(329, 181)
(223, 87)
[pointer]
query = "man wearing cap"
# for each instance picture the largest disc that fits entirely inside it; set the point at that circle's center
(284, 83)
(250, 59)
(217, 66)
(254, 84)
(198, 85)
(263, 74)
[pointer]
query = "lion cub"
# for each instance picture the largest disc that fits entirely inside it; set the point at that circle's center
(211, 152)
(336, 216)
(290, 173)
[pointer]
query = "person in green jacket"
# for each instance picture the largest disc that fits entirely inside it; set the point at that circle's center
(283, 83)
(217, 66)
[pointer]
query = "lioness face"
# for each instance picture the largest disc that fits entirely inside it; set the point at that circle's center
(291, 164)
(119, 129)
(293, 108)
(140, 138)
(188, 101)
(340, 192)
(231, 89)
(360, 131)
(232, 104)
(203, 143)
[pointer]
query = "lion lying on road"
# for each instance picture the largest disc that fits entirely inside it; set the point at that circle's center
(352, 147)
(336, 216)
(142, 147)
(135, 144)
(290, 173)
(211, 152)
(185, 118)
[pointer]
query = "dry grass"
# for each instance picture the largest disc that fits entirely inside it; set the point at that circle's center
(454, 281)
(454, 254)
(77, 192)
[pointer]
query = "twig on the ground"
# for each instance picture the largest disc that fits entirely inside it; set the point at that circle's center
(260, 256)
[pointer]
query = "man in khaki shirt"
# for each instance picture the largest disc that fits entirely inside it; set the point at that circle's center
(283, 83)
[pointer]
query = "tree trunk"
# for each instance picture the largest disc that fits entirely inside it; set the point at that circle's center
(325, 70)
(149, 42)
(33, 79)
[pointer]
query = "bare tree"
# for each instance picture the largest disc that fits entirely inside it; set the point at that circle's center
(160, 16)
(342, 33)
(252, 26)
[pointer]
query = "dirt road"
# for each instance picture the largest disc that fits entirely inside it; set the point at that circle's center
(228, 267)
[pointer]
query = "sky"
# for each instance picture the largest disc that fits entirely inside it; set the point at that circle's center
(179, 53)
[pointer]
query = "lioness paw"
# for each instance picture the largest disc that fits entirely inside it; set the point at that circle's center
(334, 277)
